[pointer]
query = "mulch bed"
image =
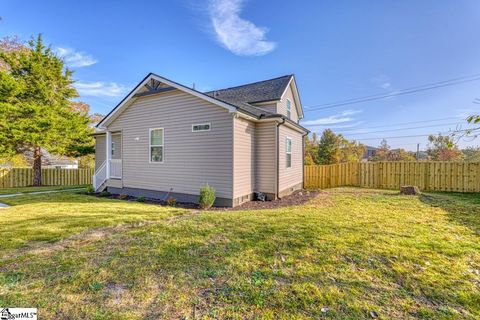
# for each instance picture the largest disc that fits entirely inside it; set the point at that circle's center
(295, 199)
(184, 205)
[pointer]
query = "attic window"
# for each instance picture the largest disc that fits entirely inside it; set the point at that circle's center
(289, 108)
(201, 127)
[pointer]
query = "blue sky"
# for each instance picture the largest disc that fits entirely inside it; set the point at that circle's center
(337, 49)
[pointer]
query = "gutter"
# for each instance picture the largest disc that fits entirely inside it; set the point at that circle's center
(278, 158)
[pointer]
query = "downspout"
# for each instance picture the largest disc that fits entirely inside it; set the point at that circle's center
(278, 158)
(303, 159)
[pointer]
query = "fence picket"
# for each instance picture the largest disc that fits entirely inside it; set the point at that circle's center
(23, 177)
(432, 176)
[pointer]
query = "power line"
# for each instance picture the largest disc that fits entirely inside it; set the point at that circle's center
(429, 86)
(412, 136)
(397, 137)
(399, 129)
(389, 125)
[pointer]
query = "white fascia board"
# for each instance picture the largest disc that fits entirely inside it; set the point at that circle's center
(131, 97)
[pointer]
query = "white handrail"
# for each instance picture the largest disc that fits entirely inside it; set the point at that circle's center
(116, 168)
(100, 176)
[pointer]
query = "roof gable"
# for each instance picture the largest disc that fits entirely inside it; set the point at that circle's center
(296, 96)
(233, 99)
(153, 84)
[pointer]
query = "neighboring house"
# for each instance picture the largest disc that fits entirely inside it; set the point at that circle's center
(369, 152)
(48, 161)
(167, 140)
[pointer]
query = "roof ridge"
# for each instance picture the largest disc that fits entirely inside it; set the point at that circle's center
(248, 84)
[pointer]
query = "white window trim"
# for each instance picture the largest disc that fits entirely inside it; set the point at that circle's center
(289, 108)
(150, 146)
(202, 124)
(112, 149)
(288, 152)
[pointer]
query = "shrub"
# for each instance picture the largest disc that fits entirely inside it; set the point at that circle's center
(89, 189)
(172, 202)
(141, 199)
(105, 194)
(122, 196)
(207, 196)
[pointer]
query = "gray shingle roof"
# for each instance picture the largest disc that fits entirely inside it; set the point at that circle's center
(243, 96)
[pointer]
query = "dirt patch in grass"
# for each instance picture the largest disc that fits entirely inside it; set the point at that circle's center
(77, 240)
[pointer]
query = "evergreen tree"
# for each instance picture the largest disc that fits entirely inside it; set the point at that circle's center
(36, 110)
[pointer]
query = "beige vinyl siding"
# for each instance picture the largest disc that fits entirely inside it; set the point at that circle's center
(282, 105)
(191, 159)
(265, 157)
(100, 150)
(270, 107)
(117, 140)
(244, 153)
(294, 175)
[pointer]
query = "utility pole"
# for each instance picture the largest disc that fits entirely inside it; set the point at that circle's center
(418, 151)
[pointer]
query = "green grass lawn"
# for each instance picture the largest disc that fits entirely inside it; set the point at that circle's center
(348, 254)
(36, 189)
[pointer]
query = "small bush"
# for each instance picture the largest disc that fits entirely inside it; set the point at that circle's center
(172, 202)
(122, 196)
(89, 189)
(105, 194)
(207, 196)
(141, 199)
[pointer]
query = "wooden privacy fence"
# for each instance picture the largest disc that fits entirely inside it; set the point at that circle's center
(432, 175)
(23, 177)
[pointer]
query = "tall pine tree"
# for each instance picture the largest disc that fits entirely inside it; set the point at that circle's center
(36, 110)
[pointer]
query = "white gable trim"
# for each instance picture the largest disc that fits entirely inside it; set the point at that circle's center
(296, 96)
(130, 98)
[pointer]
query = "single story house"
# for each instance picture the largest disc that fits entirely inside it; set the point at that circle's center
(165, 139)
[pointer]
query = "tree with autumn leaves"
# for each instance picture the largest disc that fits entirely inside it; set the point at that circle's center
(443, 148)
(332, 148)
(36, 108)
(384, 153)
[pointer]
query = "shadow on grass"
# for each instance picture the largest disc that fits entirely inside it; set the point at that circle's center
(463, 208)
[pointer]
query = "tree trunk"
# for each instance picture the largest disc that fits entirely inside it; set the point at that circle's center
(37, 167)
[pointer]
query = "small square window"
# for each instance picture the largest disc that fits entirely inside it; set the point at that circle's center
(201, 127)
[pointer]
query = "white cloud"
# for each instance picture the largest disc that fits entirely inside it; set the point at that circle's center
(100, 89)
(342, 117)
(383, 81)
(238, 35)
(75, 59)
(386, 85)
